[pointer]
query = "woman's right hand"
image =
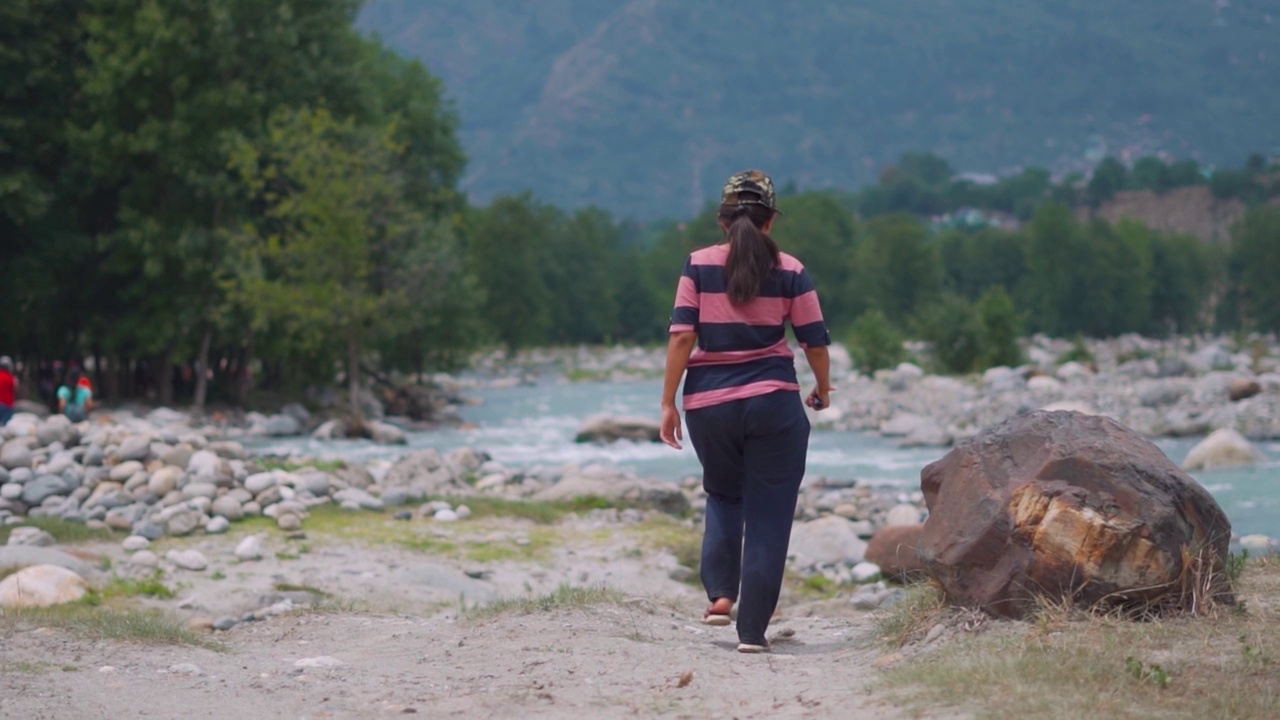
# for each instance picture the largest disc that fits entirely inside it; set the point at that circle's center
(670, 432)
(819, 399)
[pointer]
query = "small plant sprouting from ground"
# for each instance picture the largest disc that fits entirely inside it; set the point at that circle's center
(564, 597)
(151, 586)
(903, 621)
(1152, 673)
(1235, 565)
(1253, 657)
(97, 621)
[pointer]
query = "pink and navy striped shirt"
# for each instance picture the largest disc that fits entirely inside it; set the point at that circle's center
(742, 349)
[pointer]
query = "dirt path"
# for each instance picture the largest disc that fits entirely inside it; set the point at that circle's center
(599, 661)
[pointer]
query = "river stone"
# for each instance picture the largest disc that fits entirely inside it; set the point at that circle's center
(288, 522)
(927, 433)
(314, 482)
(258, 482)
(187, 559)
(250, 548)
(228, 507)
(199, 489)
(10, 491)
(428, 471)
(21, 475)
(44, 487)
(826, 541)
(1045, 386)
(894, 550)
(386, 433)
(183, 522)
(30, 536)
(93, 456)
(144, 559)
(229, 449)
(206, 465)
(134, 543)
(178, 455)
(148, 529)
(618, 489)
(903, 514)
(901, 424)
(164, 481)
(1243, 389)
(1069, 506)
(41, 586)
(359, 498)
(445, 515)
(15, 454)
(125, 470)
(217, 525)
(611, 428)
(134, 447)
(55, 429)
(270, 496)
(124, 518)
(1223, 448)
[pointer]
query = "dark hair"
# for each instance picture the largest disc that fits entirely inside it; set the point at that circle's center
(73, 379)
(752, 253)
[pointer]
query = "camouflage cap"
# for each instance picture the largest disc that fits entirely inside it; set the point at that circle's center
(750, 187)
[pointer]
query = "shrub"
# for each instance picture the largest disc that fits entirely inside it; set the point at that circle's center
(874, 343)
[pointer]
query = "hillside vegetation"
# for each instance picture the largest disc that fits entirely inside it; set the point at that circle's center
(644, 106)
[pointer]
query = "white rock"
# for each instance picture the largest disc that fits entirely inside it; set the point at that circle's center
(1074, 372)
(164, 481)
(386, 433)
(15, 454)
(901, 424)
(259, 482)
(829, 540)
(250, 548)
(41, 586)
(463, 512)
(31, 537)
(289, 522)
(1045, 385)
(125, 470)
(1223, 448)
(134, 543)
(865, 571)
(217, 525)
(324, 661)
(10, 491)
(144, 559)
(904, 514)
(187, 559)
(1258, 543)
(445, 516)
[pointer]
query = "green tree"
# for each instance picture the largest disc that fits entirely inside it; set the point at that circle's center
(333, 230)
(1184, 173)
(1058, 286)
(1000, 329)
(1109, 178)
(874, 343)
(898, 269)
(1181, 276)
(1150, 173)
(505, 241)
(1255, 265)
(578, 268)
(819, 231)
(973, 262)
(953, 331)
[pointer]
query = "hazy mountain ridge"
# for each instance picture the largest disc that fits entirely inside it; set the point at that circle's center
(642, 106)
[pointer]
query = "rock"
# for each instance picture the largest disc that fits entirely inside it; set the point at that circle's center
(903, 514)
(250, 548)
(330, 430)
(200, 490)
(1209, 358)
(259, 482)
(93, 456)
(463, 512)
(829, 540)
(1003, 379)
(44, 487)
(901, 424)
(297, 412)
(467, 459)
(289, 522)
(134, 447)
(217, 525)
(927, 433)
(178, 456)
(15, 454)
(1243, 389)
(611, 428)
(428, 471)
(41, 586)
(865, 572)
(224, 623)
(10, 491)
(894, 550)
(282, 426)
(847, 510)
(1259, 544)
(227, 507)
(30, 536)
(208, 466)
(56, 429)
(123, 518)
(144, 559)
(445, 515)
(1074, 372)
(617, 488)
(314, 482)
(1162, 392)
(134, 543)
(1067, 505)
(164, 481)
(182, 523)
(228, 449)
(1045, 385)
(359, 498)
(1223, 448)
(386, 433)
(148, 529)
(187, 559)
(20, 556)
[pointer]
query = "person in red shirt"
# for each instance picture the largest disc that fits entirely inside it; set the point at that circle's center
(8, 389)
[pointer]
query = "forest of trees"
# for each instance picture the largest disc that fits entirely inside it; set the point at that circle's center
(260, 191)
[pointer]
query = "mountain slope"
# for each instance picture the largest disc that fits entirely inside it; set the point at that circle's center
(643, 106)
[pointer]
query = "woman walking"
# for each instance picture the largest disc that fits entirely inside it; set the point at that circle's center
(742, 400)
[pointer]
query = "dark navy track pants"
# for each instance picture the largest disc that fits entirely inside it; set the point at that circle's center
(753, 455)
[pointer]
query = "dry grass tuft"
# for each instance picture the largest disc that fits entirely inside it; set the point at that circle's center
(104, 622)
(563, 597)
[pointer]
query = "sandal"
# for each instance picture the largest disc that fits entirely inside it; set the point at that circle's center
(751, 649)
(718, 619)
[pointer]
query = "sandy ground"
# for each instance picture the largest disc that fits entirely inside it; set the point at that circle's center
(394, 638)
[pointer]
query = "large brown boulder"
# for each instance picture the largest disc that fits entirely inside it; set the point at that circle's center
(893, 548)
(1068, 505)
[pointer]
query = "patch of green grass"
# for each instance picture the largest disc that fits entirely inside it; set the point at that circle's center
(269, 463)
(64, 531)
(674, 536)
(290, 587)
(564, 597)
(538, 511)
(130, 587)
(105, 622)
(911, 616)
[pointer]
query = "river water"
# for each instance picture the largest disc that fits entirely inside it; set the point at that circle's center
(534, 425)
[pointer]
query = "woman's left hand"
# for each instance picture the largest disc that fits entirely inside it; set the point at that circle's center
(671, 432)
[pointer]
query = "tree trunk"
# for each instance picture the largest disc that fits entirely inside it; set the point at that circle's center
(202, 369)
(353, 376)
(162, 375)
(243, 381)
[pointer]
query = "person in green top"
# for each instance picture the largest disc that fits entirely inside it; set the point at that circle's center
(75, 399)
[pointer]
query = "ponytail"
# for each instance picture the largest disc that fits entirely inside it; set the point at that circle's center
(752, 253)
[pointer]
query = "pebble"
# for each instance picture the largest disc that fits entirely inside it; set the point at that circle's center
(250, 548)
(403, 515)
(31, 537)
(288, 522)
(225, 622)
(865, 571)
(218, 525)
(134, 543)
(10, 491)
(187, 559)
(463, 512)
(323, 661)
(445, 515)
(185, 669)
(144, 559)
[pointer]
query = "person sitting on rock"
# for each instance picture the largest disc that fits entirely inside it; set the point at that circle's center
(742, 400)
(8, 389)
(75, 399)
